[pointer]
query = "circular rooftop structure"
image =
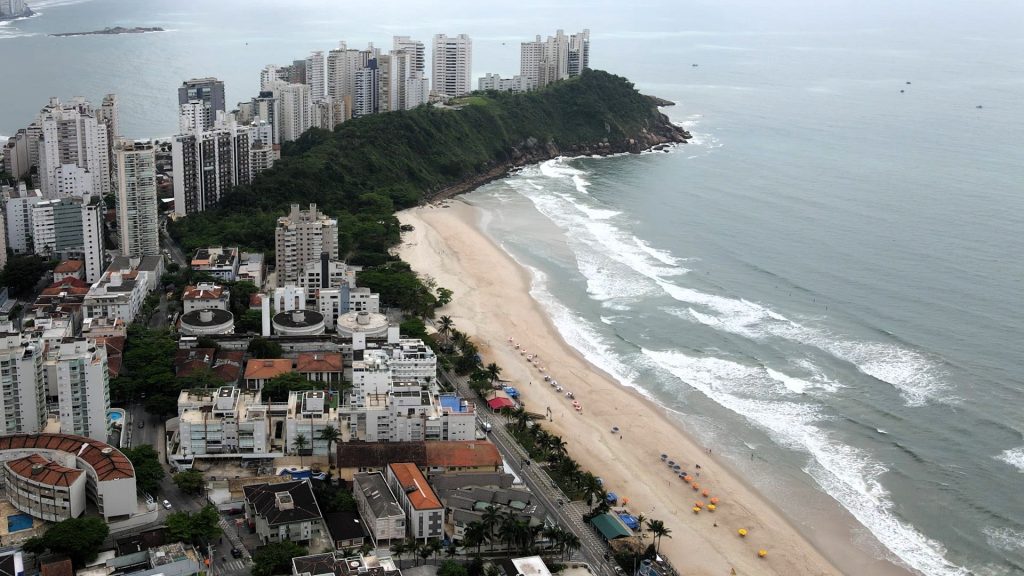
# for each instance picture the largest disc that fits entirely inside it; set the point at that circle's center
(366, 323)
(207, 321)
(299, 323)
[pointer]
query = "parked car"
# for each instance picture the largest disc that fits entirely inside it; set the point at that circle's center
(236, 553)
(167, 505)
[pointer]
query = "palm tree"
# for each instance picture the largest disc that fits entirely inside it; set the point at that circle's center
(511, 530)
(398, 549)
(640, 523)
(476, 534)
(493, 370)
(490, 519)
(300, 444)
(556, 445)
(553, 534)
(424, 552)
(330, 434)
(658, 529)
(445, 324)
(435, 548)
(570, 542)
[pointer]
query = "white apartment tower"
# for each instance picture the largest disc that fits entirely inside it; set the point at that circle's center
(344, 68)
(70, 229)
(301, 237)
(557, 58)
(79, 370)
(73, 151)
(207, 164)
(23, 402)
(453, 65)
(295, 106)
(18, 209)
(408, 88)
(315, 76)
(136, 198)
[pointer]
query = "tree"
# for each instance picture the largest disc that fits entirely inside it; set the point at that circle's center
(194, 528)
(79, 538)
(658, 529)
(300, 444)
(22, 272)
(277, 388)
(264, 348)
(424, 551)
(435, 548)
(490, 519)
(640, 519)
(445, 324)
(398, 549)
(444, 296)
(476, 534)
(148, 471)
(189, 481)
(330, 434)
(276, 558)
(452, 568)
(249, 321)
(493, 370)
(571, 543)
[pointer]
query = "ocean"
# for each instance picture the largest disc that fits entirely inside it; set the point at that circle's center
(824, 285)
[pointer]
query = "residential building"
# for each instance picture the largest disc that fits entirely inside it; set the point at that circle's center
(343, 65)
(411, 360)
(210, 91)
(23, 383)
(301, 237)
(434, 458)
(366, 99)
(415, 51)
(118, 294)
(19, 202)
(16, 156)
(69, 269)
(315, 76)
(579, 53)
(259, 370)
(218, 261)
(78, 368)
(263, 150)
(251, 268)
(424, 512)
(207, 163)
(325, 367)
(324, 272)
(337, 564)
(284, 511)
(221, 421)
(69, 228)
(74, 154)
(309, 413)
(347, 529)
(136, 198)
(294, 105)
(44, 489)
(466, 505)
(175, 559)
(453, 65)
(267, 108)
(496, 82)
(545, 61)
(205, 296)
(377, 504)
(322, 114)
(109, 475)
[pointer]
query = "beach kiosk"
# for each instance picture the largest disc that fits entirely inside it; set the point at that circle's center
(610, 527)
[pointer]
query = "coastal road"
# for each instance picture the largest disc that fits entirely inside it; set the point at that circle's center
(569, 515)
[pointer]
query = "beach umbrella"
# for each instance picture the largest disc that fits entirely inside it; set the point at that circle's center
(711, 507)
(695, 486)
(688, 479)
(698, 504)
(664, 456)
(714, 500)
(677, 467)
(742, 532)
(696, 510)
(762, 553)
(615, 429)
(706, 493)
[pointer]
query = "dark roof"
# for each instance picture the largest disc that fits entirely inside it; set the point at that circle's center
(7, 565)
(380, 454)
(305, 318)
(317, 564)
(610, 526)
(141, 541)
(56, 567)
(344, 525)
(264, 500)
(38, 469)
(217, 316)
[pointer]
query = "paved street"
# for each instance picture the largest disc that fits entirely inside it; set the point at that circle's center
(569, 515)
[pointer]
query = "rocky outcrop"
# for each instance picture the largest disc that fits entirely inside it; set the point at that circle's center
(661, 134)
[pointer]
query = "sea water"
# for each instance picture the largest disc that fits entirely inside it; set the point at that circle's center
(824, 284)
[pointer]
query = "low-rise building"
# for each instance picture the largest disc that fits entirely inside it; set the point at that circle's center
(259, 370)
(220, 262)
(118, 295)
(220, 421)
(205, 295)
(423, 509)
(44, 488)
(323, 367)
(309, 413)
(379, 508)
(207, 322)
(285, 511)
(467, 505)
(336, 564)
(251, 268)
(347, 529)
(69, 269)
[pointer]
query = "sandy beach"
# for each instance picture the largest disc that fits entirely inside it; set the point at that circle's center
(492, 303)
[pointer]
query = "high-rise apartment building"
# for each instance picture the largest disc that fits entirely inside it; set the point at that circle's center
(135, 164)
(407, 86)
(557, 58)
(262, 150)
(208, 90)
(315, 76)
(415, 50)
(73, 151)
(207, 164)
(18, 204)
(367, 95)
(301, 237)
(23, 402)
(69, 229)
(453, 65)
(78, 368)
(267, 108)
(344, 66)
(294, 107)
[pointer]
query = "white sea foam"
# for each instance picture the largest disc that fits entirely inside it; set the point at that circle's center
(916, 377)
(1014, 457)
(848, 474)
(580, 183)
(663, 256)
(1006, 539)
(795, 385)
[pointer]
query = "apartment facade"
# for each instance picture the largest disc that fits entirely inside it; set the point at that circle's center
(209, 91)
(69, 229)
(136, 198)
(79, 370)
(23, 385)
(453, 65)
(207, 163)
(301, 237)
(423, 509)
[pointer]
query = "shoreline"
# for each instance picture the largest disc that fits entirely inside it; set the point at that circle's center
(448, 244)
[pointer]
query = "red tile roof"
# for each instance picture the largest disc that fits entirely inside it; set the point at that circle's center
(415, 486)
(255, 301)
(38, 469)
(108, 462)
(68, 266)
(468, 454)
(195, 293)
(318, 362)
(264, 369)
(59, 567)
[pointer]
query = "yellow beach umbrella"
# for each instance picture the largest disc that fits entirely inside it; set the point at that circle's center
(742, 532)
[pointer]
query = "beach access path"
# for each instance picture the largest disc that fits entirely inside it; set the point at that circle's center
(492, 303)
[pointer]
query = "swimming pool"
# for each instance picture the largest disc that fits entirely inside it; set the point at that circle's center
(18, 522)
(114, 416)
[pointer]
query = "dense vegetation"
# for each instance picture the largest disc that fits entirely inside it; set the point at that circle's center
(79, 538)
(371, 166)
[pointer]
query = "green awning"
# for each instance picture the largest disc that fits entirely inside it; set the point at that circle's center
(610, 527)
